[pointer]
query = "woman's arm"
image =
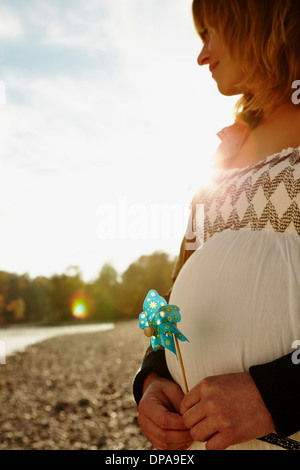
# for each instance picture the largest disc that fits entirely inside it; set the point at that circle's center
(154, 361)
(279, 384)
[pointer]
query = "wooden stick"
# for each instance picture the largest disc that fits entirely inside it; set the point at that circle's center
(181, 364)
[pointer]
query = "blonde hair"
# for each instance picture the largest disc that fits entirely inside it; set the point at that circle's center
(264, 35)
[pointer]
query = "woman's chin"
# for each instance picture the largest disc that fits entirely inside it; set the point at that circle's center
(228, 90)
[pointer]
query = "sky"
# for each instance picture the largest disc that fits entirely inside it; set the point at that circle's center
(108, 126)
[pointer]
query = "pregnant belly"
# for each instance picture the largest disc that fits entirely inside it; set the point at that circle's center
(240, 305)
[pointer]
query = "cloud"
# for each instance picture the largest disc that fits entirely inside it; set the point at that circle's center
(80, 27)
(10, 24)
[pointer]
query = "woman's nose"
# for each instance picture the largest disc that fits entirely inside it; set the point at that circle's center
(203, 57)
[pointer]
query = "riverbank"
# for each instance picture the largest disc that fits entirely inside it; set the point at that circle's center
(73, 392)
(17, 338)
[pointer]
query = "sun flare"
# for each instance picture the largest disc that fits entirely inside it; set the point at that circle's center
(80, 305)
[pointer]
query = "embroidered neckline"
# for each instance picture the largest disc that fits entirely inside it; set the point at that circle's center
(254, 198)
(284, 153)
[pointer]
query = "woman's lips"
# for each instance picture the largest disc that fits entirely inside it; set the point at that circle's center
(213, 66)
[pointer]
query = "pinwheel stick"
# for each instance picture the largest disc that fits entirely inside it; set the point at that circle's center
(149, 331)
(181, 365)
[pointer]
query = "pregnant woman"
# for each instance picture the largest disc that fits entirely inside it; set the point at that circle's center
(237, 284)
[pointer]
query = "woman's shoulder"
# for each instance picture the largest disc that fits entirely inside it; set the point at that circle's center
(288, 158)
(275, 163)
(280, 167)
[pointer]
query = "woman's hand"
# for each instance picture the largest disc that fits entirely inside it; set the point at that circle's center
(225, 410)
(159, 417)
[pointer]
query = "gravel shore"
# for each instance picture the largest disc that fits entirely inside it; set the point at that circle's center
(73, 392)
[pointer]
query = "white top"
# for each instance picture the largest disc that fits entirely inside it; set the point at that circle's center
(239, 293)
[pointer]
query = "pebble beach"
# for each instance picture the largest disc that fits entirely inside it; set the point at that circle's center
(73, 393)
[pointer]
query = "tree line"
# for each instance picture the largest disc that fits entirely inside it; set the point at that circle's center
(65, 298)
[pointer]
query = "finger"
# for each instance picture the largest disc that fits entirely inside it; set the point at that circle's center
(204, 430)
(168, 420)
(194, 415)
(173, 396)
(190, 399)
(176, 400)
(164, 439)
(175, 440)
(161, 416)
(220, 441)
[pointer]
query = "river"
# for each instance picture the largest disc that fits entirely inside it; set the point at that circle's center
(17, 338)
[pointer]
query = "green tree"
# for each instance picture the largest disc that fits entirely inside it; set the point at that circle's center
(148, 272)
(35, 293)
(9, 293)
(104, 290)
(62, 288)
(111, 297)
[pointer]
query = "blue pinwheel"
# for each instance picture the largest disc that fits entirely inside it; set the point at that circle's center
(157, 320)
